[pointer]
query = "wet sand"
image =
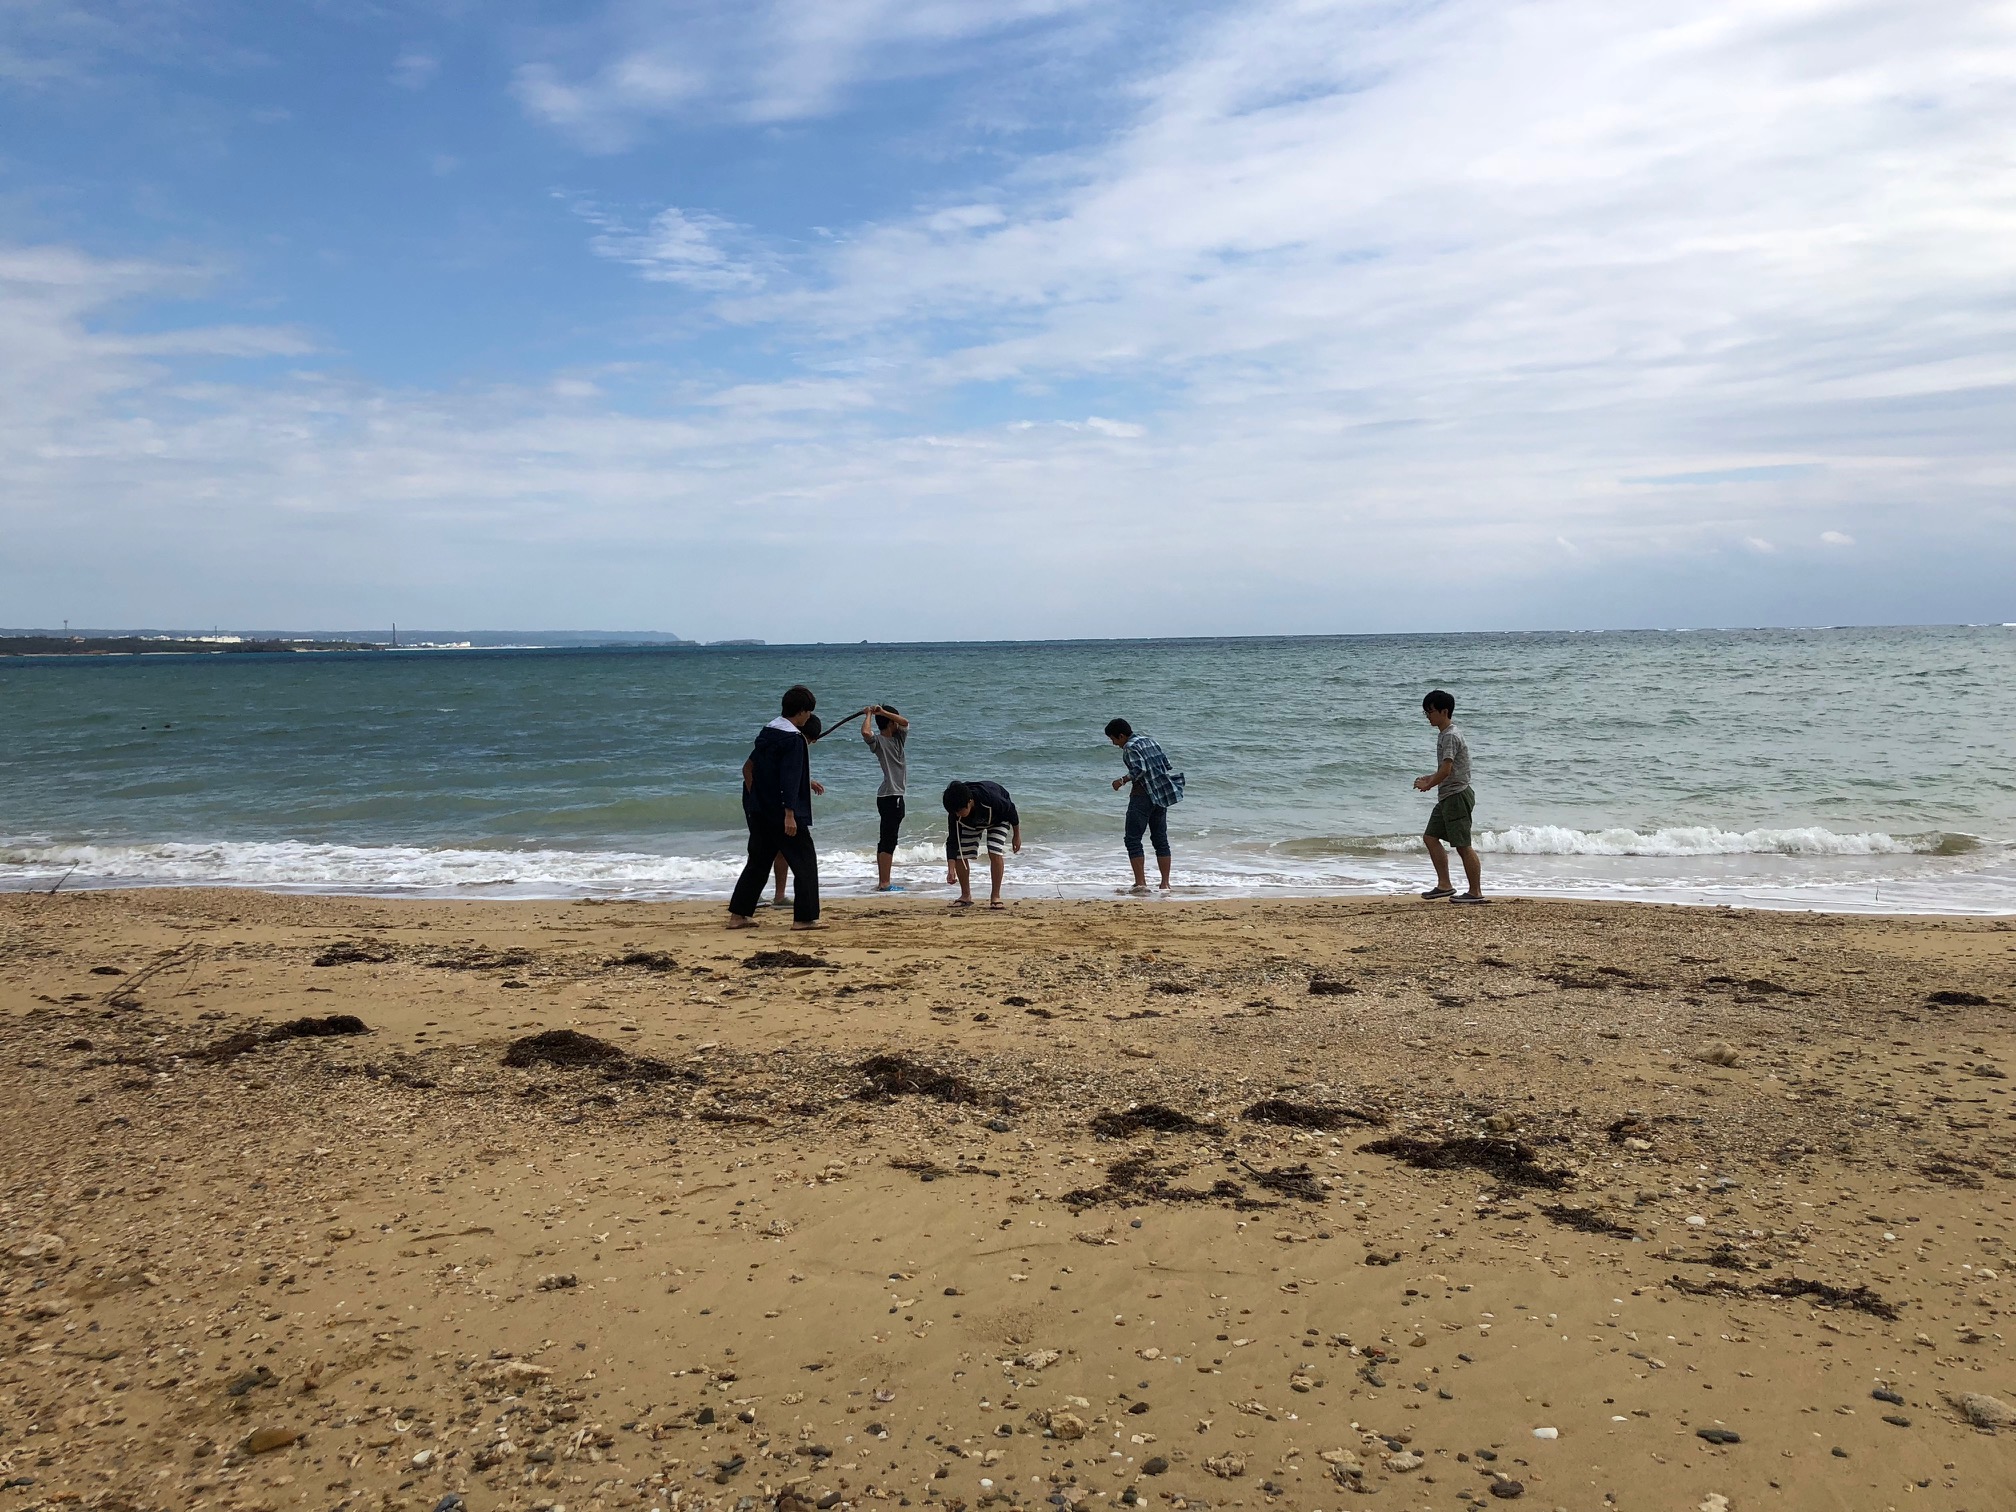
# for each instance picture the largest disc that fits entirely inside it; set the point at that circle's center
(1318, 1205)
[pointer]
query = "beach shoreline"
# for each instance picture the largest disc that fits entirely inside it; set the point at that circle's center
(980, 1209)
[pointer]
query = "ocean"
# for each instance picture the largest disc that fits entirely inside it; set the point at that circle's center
(1837, 769)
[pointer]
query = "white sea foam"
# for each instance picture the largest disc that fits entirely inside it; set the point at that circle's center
(1801, 867)
(1702, 840)
(397, 868)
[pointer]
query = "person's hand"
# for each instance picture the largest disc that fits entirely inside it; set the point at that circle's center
(1119, 783)
(1015, 842)
(1422, 784)
(790, 822)
(819, 790)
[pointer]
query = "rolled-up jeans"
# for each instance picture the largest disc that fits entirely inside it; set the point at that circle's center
(1147, 818)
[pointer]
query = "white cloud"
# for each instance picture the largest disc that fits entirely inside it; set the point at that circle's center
(414, 69)
(691, 248)
(1837, 538)
(1759, 545)
(760, 61)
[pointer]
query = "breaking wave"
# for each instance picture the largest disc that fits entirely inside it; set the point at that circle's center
(1704, 840)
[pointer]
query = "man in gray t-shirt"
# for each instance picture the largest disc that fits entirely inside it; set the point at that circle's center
(887, 734)
(1454, 804)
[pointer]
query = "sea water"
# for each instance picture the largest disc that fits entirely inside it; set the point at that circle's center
(1853, 769)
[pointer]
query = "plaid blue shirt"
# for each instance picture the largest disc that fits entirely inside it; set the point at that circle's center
(1149, 767)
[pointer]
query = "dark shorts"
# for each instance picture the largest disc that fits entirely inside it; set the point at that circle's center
(1450, 822)
(891, 810)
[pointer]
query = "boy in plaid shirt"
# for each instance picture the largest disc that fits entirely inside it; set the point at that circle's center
(1155, 789)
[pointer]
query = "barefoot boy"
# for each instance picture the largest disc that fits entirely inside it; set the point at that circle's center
(1451, 820)
(977, 812)
(886, 733)
(1155, 789)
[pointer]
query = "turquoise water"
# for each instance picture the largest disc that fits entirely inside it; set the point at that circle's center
(1849, 768)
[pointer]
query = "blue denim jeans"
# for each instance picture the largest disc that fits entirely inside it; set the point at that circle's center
(1147, 818)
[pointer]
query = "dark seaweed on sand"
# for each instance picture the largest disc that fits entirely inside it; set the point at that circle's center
(1330, 987)
(1587, 1221)
(302, 1028)
(570, 1050)
(1293, 1115)
(1788, 1289)
(483, 960)
(1138, 1179)
(900, 1076)
(783, 960)
(347, 953)
(1296, 1181)
(1510, 1160)
(1151, 1118)
(649, 960)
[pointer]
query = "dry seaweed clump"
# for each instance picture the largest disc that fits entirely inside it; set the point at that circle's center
(302, 1028)
(1587, 1221)
(1791, 1288)
(1150, 1118)
(483, 960)
(571, 1050)
(1140, 1179)
(648, 960)
(784, 960)
(1512, 1161)
(900, 1076)
(349, 953)
(1297, 1181)
(1294, 1115)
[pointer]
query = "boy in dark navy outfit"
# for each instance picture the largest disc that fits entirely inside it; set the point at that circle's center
(777, 802)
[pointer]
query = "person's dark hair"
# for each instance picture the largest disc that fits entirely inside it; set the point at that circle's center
(957, 796)
(798, 699)
(882, 719)
(1440, 702)
(1119, 729)
(812, 730)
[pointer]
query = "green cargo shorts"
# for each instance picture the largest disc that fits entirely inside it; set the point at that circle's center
(1450, 823)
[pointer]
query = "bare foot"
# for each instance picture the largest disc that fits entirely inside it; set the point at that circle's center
(814, 925)
(736, 921)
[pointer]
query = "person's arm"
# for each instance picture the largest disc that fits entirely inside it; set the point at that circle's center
(1015, 838)
(868, 725)
(748, 773)
(791, 779)
(896, 721)
(1435, 778)
(1135, 767)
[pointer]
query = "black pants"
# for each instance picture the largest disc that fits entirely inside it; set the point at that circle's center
(891, 810)
(767, 841)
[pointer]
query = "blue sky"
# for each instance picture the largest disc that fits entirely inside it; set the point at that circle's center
(831, 319)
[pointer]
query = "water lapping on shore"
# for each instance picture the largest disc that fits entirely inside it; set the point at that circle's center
(1933, 879)
(1849, 769)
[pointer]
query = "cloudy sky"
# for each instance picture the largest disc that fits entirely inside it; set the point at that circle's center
(831, 319)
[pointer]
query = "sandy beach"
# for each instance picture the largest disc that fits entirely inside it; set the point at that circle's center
(345, 1203)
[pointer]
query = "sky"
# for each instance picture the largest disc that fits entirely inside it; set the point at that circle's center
(844, 319)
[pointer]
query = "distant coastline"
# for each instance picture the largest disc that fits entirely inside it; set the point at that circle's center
(150, 645)
(103, 642)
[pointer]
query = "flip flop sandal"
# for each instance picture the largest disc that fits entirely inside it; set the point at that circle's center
(1439, 892)
(1469, 898)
